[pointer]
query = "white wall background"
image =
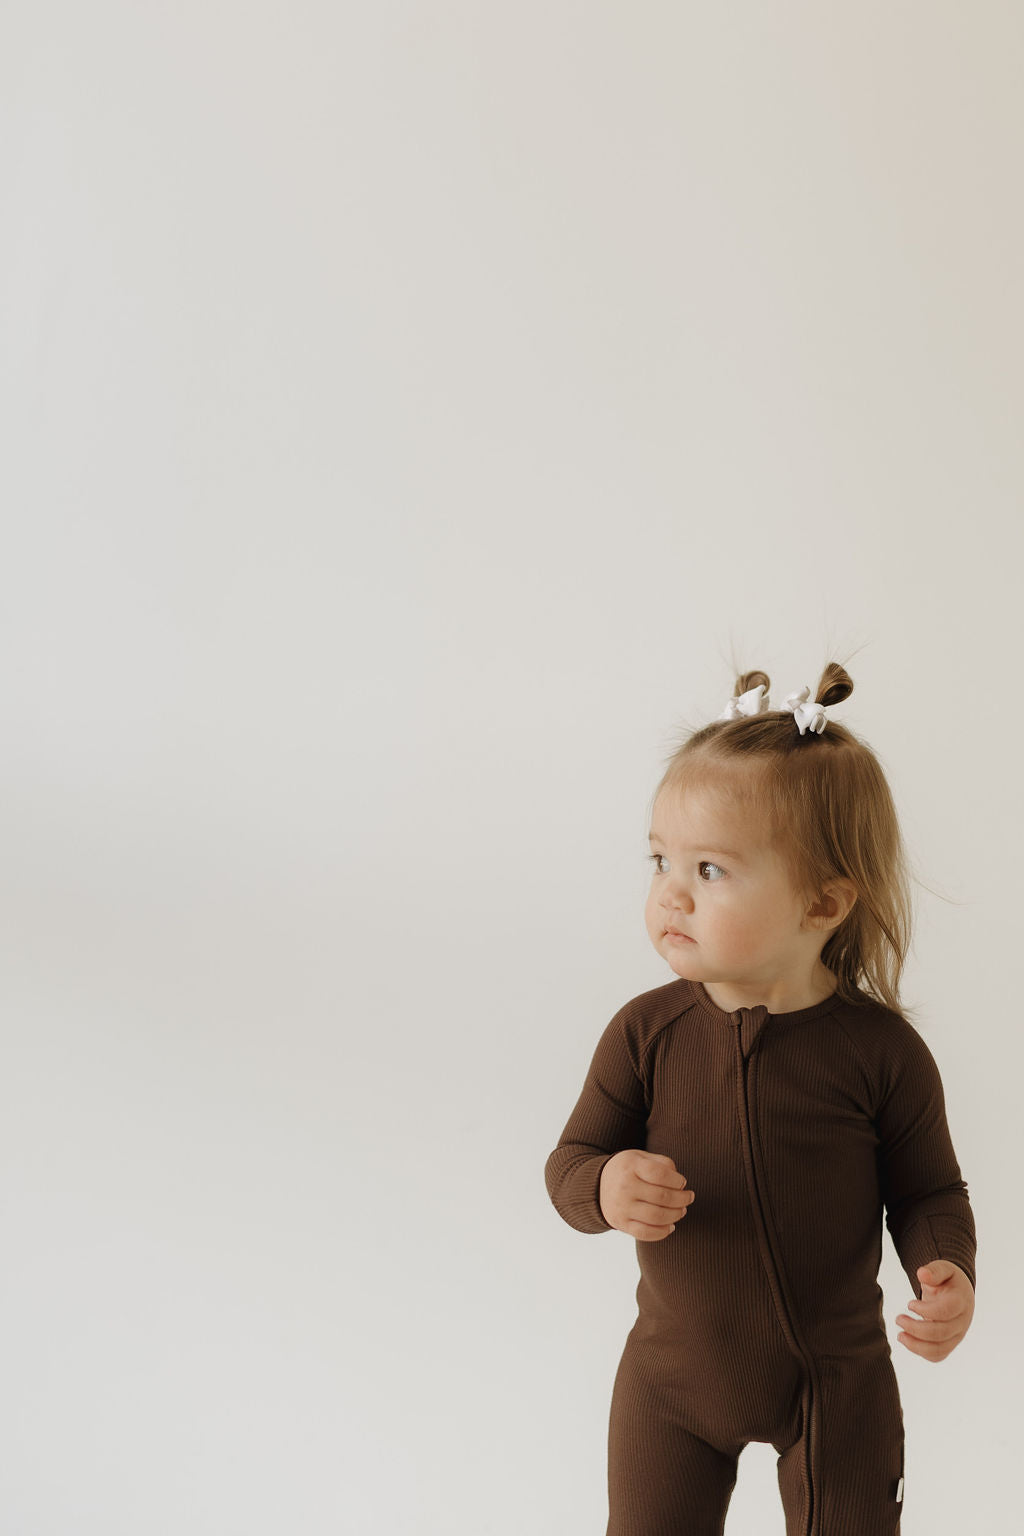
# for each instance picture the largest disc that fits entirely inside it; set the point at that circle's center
(405, 408)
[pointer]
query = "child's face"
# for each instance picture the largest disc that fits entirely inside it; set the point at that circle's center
(716, 881)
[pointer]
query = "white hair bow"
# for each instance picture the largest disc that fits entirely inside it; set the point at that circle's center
(809, 714)
(753, 702)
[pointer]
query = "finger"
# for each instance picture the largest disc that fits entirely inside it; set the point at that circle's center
(654, 1195)
(932, 1352)
(657, 1215)
(659, 1173)
(931, 1333)
(934, 1311)
(645, 1232)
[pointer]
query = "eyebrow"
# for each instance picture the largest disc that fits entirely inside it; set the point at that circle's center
(729, 853)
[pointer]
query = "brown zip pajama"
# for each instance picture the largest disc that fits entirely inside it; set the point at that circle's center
(760, 1316)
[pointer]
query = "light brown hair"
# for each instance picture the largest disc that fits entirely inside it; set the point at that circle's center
(828, 811)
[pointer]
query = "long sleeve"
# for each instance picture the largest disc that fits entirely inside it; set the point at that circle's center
(610, 1115)
(928, 1212)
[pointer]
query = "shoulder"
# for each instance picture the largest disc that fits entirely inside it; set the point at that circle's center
(645, 1016)
(888, 1044)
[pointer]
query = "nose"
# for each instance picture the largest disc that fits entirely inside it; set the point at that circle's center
(676, 897)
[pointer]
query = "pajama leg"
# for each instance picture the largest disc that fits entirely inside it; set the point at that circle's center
(663, 1480)
(851, 1455)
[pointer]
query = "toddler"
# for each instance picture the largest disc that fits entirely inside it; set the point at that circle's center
(746, 1124)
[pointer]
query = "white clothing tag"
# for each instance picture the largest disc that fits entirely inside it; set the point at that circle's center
(899, 1491)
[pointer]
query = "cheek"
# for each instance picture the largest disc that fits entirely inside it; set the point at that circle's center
(749, 930)
(734, 927)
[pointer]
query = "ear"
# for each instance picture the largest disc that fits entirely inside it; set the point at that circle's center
(834, 905)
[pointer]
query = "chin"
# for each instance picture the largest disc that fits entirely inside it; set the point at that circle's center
(683, 964)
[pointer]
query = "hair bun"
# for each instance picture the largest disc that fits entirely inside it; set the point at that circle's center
(834, 685)
(748, 680)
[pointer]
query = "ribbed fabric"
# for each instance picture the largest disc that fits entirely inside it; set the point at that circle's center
(760, 1316)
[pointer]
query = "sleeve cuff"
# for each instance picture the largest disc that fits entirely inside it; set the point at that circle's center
(936, 1237)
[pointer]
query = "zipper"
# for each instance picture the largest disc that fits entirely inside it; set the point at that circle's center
(776, 1280)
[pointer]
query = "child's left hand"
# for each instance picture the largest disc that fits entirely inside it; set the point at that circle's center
(946, 1308)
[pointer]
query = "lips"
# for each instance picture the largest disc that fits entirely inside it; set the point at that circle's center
(677, 933)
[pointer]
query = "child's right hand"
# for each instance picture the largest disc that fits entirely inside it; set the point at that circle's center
(642, 1194)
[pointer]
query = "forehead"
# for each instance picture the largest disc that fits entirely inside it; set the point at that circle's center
(698, 816)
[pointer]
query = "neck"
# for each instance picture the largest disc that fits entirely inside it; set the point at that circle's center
(781, 995)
